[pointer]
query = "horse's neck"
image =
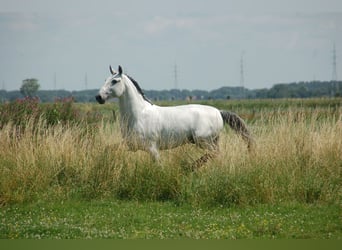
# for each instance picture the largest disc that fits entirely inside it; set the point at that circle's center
(131, 104)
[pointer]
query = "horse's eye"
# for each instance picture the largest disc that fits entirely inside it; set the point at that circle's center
(114, 81)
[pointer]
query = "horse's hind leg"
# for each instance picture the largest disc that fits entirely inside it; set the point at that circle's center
(213, 149)
(202, 160)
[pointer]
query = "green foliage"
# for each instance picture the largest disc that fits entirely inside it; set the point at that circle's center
(22, 111)
(29, 87)
(61, 110)
(19, 112)
(285, 90)
(150, 220)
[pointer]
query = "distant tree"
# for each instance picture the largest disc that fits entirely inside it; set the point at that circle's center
(29, 87)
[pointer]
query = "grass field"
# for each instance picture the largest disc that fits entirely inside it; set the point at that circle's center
(77, 180)
(165, 220)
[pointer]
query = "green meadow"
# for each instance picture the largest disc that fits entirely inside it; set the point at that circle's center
(66, 173)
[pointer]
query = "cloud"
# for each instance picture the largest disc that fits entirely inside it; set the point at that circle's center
(22, 22)
(161, 24)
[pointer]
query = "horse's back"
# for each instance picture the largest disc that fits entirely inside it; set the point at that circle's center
(199, 120)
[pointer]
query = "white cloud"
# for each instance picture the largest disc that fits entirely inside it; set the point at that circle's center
(161, 24)
(191, 33)
(17, 22)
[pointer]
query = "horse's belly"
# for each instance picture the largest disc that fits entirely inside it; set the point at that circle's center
(169, 140)
(174, 126)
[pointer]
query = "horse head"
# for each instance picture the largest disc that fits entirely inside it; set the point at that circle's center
(113, 86)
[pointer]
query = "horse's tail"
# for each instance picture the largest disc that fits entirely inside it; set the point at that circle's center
(239, 126)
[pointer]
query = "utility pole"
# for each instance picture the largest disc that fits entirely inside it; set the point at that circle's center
(334, 73)
(242, 75)
(55, 84)
(54, 81)
(86, 81)
(3, 89)
(175, 77)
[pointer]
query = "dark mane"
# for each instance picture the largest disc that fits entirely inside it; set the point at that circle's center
(139, 89)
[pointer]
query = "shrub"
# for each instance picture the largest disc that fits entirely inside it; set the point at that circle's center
(63, 110)
(19, 111)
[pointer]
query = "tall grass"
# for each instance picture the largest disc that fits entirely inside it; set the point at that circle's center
(297, 159)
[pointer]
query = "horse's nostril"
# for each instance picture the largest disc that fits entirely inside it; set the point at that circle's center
(99, 99)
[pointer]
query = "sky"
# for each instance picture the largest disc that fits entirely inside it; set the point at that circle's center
(69, 44)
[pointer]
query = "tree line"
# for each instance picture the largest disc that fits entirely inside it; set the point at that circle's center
(30, 87)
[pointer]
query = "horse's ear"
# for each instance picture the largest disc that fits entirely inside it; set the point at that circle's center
(111, 70)
(120, 70)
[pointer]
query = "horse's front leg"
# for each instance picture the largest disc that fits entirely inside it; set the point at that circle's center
(153, 149)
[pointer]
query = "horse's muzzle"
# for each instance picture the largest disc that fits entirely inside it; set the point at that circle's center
(99, 99)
